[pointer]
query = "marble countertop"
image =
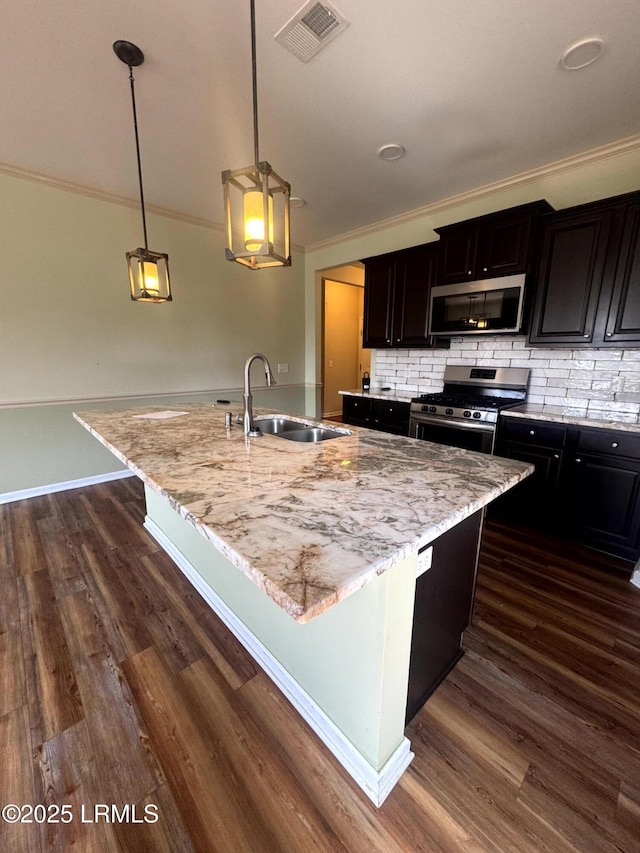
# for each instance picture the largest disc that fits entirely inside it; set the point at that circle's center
(574, 417)
(308, 523)
(378, 394)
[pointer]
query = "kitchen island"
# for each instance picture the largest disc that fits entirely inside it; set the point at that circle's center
(309, 553)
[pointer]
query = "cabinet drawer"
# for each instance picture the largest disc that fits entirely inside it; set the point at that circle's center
(533, 432)
(608, 442)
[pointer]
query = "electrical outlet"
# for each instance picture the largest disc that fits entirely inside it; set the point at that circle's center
(283, 368)
(330, 362)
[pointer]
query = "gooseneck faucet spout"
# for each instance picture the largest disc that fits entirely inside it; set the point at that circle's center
(249, 426)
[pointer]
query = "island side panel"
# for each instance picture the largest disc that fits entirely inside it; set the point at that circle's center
(353, 660)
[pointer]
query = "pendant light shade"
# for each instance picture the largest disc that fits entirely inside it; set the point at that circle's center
(256, 201)
(149, 276)
(148, 271)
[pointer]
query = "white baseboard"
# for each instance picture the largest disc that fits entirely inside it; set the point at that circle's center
(377, 784)
(23, 494)
(635, 577)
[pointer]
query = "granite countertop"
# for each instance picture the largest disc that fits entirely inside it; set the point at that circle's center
(308, 523)
(574, 417)
(378, 394)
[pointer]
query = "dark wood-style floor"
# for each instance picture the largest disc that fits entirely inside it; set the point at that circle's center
(119, 686)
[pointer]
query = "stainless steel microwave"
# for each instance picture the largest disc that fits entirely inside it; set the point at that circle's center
(487, 307)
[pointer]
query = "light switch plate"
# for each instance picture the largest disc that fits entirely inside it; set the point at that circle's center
(283, 368)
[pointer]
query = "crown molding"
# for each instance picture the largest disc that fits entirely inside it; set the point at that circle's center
(595, 155)
(568, 164)
(112, 198)
(103, 195)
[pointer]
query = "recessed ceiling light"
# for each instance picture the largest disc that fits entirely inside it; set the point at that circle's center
(581, 54)
(392, 151)
(294, 201)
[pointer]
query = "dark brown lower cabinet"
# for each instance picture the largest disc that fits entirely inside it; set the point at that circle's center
(604, 503)
(443, 605)
(586, 484)
(374, 413)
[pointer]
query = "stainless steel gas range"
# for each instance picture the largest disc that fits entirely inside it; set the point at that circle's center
(465, 413)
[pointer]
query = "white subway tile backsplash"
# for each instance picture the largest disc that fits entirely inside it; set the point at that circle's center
(599, 380)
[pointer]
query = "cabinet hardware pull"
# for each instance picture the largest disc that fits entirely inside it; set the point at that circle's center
(556, 456)
(578, 459)
(585, 336)
(615, 444)
(484, 269)
(609, 334)
(532, 432)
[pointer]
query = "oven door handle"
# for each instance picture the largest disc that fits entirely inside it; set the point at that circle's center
(482, 426)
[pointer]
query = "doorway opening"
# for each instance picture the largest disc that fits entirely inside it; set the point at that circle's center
(344, 361)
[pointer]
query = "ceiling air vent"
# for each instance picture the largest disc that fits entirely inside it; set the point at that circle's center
(311, 29)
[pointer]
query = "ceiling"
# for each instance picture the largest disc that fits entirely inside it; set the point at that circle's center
(471, 88)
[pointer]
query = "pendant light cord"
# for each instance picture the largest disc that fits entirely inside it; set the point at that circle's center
(135, 127)
(254, 69)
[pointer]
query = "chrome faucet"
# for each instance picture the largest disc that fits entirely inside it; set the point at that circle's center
(249, 426)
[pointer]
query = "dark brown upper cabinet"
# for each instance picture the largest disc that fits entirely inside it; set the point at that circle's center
(397, 287)
(587, 285)
(489, 246)
(622, 321)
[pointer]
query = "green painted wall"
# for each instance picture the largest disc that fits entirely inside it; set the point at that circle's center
(70, 331)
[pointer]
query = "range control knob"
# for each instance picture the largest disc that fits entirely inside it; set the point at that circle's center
(466, 413)
(432, 409)
(477, 415)
(448, 411)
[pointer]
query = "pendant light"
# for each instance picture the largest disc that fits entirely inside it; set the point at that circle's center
(148, 271)
(256, 201)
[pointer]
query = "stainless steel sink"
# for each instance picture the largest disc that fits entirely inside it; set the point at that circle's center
(297, 430)
(275, 426)
(312, 434)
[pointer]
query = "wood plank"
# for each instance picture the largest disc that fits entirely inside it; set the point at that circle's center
(7, 567)
(167, 835)
(69, 776)
(628, 810)
(13, 692)
(114, 604)
(63, 557)
(230, 657)
(119, 741)
(353, 817)
(273, 789)
(195, 764)
(17, 781)
(52, 689)
(28, 553)
(493, 748)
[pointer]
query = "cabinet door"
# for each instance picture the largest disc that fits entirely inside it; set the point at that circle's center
(604, 503)
(457, 255)
(572, 264)
(623, 316)
(379, 276)
(534, 500)
(415, 272)
(356, 410)
(503, 245)
(390, 416)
